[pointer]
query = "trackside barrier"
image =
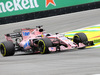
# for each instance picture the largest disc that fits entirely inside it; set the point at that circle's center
(47, 13)
(17, 7)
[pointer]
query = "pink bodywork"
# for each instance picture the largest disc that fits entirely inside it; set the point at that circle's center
(29, 34)
(65, 41)
(33, 34)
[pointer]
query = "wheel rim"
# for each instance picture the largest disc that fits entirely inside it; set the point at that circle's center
(2, 51)
(42, 47)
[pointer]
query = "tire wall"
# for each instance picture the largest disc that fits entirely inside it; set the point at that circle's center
(21, 10)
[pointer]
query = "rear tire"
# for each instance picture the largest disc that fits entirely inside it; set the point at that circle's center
(7, 48)
(43, 44)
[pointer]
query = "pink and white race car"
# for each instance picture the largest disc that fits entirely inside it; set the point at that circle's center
(37, 40)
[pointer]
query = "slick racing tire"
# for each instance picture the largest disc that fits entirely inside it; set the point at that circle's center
(7, 48)
(80, 38)
(43, 44)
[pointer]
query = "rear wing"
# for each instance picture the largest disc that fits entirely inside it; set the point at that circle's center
(12, 35)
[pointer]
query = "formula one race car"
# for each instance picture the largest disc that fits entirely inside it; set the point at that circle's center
(37, 40)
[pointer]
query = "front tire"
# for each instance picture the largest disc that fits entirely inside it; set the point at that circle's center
(80, 38)
(7, 48)
(44, 44)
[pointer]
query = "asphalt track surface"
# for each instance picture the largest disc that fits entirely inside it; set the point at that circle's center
(69, 62)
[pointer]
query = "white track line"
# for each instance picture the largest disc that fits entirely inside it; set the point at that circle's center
(81, 28)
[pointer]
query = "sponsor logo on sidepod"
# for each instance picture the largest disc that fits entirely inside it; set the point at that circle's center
(27, 44)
